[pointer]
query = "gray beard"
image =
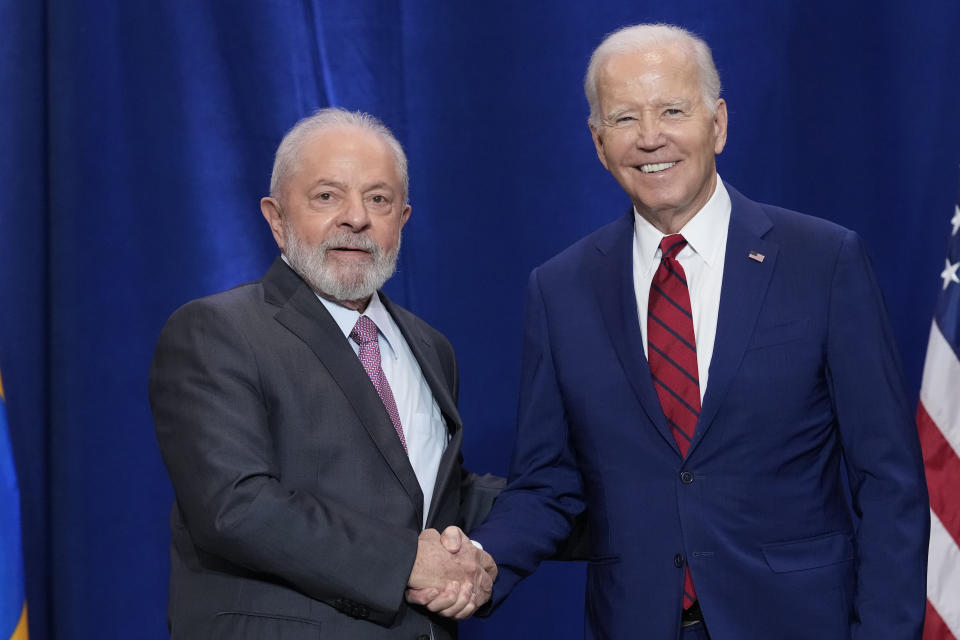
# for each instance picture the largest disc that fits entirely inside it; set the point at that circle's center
(337, 281)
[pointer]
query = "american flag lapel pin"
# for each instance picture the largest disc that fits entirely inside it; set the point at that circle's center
(756, 255)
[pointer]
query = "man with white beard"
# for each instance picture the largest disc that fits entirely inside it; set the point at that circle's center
(309, 425)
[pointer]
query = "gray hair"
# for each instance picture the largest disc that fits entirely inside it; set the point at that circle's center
(643, 36)
(333, 118)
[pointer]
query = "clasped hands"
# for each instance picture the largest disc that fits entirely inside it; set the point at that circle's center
(450, 576)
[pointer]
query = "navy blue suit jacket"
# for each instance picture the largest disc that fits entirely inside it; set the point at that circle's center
(804, 381)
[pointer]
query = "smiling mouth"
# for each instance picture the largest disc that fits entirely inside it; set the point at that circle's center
(656, 168)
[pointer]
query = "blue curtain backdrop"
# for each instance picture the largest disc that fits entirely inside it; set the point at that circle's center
(136, 138)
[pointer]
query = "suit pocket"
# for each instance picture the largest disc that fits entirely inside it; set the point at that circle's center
(809, 553)
(235, 625)
(778, 334)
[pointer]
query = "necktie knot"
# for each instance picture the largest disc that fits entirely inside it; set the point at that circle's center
(365, 331)
(671, 245)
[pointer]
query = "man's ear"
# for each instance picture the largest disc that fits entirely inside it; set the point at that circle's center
(720, 126)
(270, 208)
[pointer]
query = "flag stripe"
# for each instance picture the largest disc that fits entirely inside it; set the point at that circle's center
(938, 391)
(933, 627)
(943, 578)
(943, 473)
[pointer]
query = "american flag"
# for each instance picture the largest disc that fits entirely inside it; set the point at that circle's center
(938, 420)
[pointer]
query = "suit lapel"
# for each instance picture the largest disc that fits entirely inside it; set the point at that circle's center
(432, 369)
(429, 361)
(745, 282)
(612, 274)
(306, 317)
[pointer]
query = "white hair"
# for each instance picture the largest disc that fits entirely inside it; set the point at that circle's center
(641, 37)
(333, 118)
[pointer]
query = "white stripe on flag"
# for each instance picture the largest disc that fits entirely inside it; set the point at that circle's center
(943, 576)
(938, 391)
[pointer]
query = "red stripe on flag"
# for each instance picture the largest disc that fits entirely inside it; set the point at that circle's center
(934, 628)
(943, 473)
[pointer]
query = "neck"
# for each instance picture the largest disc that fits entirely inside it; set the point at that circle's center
(667, 223)
(357, 305)
(670, 221)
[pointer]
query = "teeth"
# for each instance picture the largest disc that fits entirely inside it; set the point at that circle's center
(653, 168)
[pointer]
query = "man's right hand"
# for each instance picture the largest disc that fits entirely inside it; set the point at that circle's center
(450, 575)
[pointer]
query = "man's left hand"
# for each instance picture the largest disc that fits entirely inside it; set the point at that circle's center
(455, 600)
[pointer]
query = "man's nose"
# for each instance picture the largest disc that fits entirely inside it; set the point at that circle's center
(649, 132)
(354, 213)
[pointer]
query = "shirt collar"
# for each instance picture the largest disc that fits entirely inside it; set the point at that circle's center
(347, 318)
(703, 232)
(377, 312)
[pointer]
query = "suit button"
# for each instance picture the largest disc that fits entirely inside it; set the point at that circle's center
(678, 561)
(686, 477)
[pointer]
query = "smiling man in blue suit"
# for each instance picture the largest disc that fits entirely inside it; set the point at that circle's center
(697, 375)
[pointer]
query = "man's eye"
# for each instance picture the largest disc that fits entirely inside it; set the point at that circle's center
(326, 195)
(379, 199)
(673, 112)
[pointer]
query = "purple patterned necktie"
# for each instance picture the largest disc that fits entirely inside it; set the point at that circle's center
(365, 334)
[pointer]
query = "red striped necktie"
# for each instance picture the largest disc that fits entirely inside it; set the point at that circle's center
(672, 354)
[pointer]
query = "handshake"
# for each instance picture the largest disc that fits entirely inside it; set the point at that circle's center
(450, 576)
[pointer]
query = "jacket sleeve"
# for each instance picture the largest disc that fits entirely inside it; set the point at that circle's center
(213, 427)
(535, 514)
(477, 494)
(882, 454)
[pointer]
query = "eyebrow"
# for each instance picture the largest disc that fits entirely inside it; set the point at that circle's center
(378, 185)
(323, 182)
(616, 113)
(678, 102)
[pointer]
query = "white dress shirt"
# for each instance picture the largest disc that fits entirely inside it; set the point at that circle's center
(423, 426)
(702, 261)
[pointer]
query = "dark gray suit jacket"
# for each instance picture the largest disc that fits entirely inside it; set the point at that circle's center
(297, 511)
